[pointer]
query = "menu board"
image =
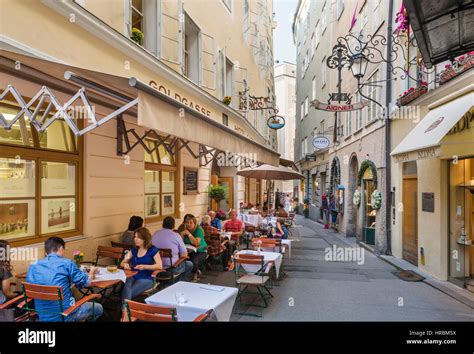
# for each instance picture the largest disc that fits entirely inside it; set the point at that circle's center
(190, 181)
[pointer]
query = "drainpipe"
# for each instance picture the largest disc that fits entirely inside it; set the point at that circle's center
(388, 99)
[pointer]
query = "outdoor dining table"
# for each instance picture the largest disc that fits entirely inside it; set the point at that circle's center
(199, 298)
(274, 257)
(250, 219)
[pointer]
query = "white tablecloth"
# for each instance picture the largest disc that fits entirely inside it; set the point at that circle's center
(103, 275)
(200, 298)
(251, 219)
(267, 257)
(288, 244)
(227, 235)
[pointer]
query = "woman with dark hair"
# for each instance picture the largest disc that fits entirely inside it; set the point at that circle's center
(144, 258)
(6, 276)
(134, 224)
(183, 226)
(194, 235)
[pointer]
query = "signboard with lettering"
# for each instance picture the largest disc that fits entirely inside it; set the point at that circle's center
(422, 154)
(190, 181)
(338, 107)
(320, 142)
(427, 202)
(310, 157)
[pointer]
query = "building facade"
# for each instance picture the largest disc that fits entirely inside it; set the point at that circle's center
(355, 136)
(312, 36)
(285, 80)
(158, 157)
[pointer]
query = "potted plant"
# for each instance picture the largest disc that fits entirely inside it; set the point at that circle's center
(458, 66)
(217, 193)
(137, 36)
(226, 100)
(412, 94)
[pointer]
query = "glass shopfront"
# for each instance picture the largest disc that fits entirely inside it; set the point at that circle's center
(461, 222)
(369, 213)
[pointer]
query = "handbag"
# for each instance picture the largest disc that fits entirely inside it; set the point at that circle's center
(7, 315)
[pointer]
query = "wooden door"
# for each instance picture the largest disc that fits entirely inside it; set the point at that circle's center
(410, 222)
(228, 203)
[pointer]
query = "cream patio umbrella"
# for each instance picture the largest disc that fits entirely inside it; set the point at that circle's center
(270, 172)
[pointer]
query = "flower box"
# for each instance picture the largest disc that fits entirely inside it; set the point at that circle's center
(412, 94)
(460, 65)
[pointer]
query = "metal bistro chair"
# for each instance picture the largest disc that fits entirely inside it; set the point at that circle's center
(257, 279)
(271, 245)
(52, 293)
(169, 275)
(249, 233)
(136, 311)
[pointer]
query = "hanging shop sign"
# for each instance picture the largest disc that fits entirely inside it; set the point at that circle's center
(276, 122)
(320, 142)
(338, 107)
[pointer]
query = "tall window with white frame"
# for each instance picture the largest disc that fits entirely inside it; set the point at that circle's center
(340, 8)
(227, 4)
(323, 72)
(302, 111)
(313, 88)
(348, 123)
(372, 93)
(324, 19)
(306, 106)
(191, 35)
(137, 15)
(358, 114)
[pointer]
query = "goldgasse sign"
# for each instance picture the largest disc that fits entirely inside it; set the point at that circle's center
(181, 98)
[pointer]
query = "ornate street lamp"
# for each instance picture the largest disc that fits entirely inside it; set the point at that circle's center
(358, 65)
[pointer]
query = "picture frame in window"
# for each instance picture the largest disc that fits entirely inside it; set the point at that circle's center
(17, 218)
(58, 214)
(168, 203)
(152, 205)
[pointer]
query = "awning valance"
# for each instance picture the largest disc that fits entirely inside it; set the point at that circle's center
(155, 110)
(424, 141)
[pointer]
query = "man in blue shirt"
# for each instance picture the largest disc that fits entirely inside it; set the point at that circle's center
(55, 270)
(215, 222)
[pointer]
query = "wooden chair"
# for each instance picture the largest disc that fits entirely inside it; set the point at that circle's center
(169, 275)
(11, 305)
(149, 313)
(115, 253)
(257, 279)
(249, 233)
(136, 311)
(273, 244)
(51, 293)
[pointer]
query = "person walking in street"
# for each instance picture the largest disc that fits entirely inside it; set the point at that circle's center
(325, 208)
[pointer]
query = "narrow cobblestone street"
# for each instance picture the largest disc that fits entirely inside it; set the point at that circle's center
(317, 290)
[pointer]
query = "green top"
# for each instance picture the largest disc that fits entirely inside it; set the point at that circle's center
(198, 233)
